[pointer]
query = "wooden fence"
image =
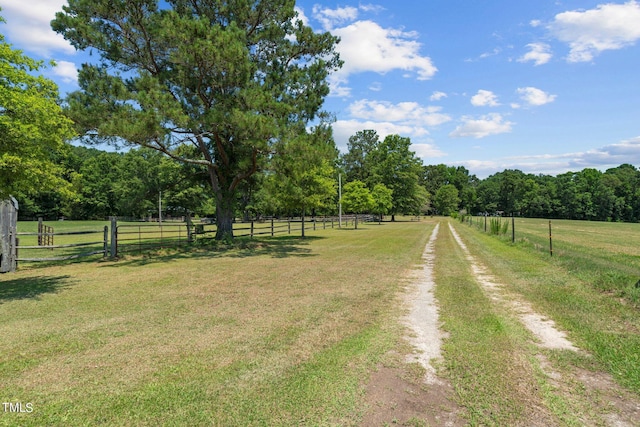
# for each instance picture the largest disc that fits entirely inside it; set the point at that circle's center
(126, 237)
(62, 251)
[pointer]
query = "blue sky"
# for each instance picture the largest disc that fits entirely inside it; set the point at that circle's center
(543, 86)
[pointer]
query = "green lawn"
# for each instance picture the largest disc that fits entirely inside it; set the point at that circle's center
(588, 286)
(280, 331)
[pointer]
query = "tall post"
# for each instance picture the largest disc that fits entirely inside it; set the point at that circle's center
(105, 247)
(189, 226)
(114, 237)
(513, 228)
(339, 200)
(485, 222)
(550, 241)
(160, 208)
(40, 231)
(272, 231)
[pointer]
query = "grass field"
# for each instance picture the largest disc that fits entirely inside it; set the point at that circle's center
(286, 331)
(589, 285)
(280, 332)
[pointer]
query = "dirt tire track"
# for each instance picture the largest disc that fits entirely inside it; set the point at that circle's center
(395, 399)
(604, 402)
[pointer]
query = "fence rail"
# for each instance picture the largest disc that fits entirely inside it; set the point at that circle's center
(126, 237)
(63, 251)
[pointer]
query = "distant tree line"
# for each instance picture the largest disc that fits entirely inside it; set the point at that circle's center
(380, 177)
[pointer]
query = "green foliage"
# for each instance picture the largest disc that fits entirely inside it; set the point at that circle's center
(33, 128)
(230, 79)
(121, 184)
(356, 197)
(357, 161)
(382, 199)
(446, 199)
(497, 226)
(397, 167)
(302, 177)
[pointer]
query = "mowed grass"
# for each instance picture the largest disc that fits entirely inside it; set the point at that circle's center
(281, 331)
(485, 355)
(587, 286)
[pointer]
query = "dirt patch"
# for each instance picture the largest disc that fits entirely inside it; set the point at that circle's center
(422, 319)
(392, 399)
(395, 396)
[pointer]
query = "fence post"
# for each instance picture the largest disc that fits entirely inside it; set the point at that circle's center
(189, 232)
(485, 222)
(550, 241)
(289, 224)
(272, 231)
(39, 231)
(513, 228)
(252, 229)
(106, 241)
(114, 237)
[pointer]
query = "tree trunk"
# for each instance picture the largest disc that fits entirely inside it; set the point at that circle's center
(225, 212)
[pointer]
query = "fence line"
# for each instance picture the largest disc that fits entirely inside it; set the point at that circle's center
(51, 246)
(122, 238)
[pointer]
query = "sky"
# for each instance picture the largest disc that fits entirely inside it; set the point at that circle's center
(543, 86)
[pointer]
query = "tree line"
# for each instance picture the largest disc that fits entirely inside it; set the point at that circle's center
(381, 177)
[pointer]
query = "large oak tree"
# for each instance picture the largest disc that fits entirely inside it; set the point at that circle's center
(227, 77)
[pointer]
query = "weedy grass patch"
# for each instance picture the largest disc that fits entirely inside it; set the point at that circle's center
(280, 331)
(587, 286)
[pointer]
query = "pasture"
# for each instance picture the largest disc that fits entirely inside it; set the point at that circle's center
(288, 331)
(277, 331)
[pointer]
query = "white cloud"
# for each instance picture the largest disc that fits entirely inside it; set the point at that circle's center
(437, 96)
(607, 27)
(534, 96)
(407, 113)
(408, 119)
(67, 70)
(330, 18)
(343, 129)
(366, 46)
(375, 87)
(627, 151)
(28, 26)
(427, 151)
(484, 98)
(539, 53)
(491, 124)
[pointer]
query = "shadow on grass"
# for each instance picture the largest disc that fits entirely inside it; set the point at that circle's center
(275, 247)
(31, 287)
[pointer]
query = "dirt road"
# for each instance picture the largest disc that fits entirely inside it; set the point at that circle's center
(395, 395)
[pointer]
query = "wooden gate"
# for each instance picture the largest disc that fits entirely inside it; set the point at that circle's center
(8, 221)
